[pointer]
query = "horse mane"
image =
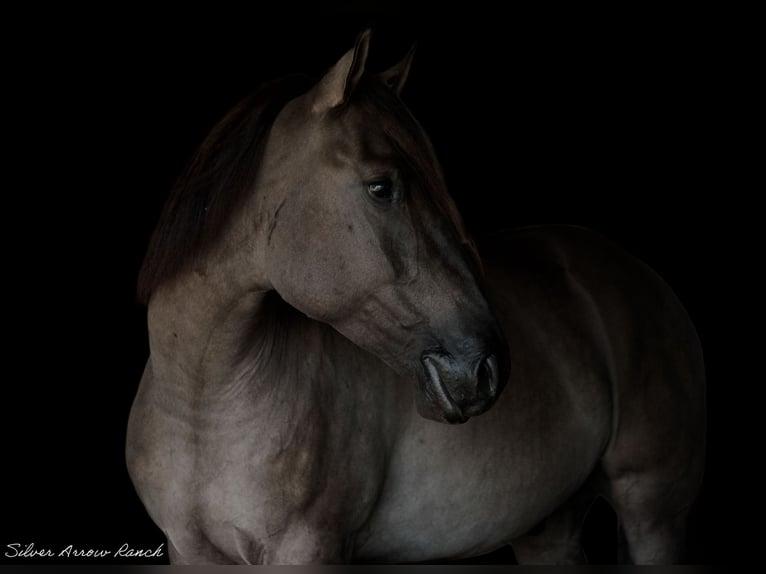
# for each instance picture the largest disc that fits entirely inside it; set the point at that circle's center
(214, 184)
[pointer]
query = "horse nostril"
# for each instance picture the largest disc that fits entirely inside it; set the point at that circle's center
(487, 376)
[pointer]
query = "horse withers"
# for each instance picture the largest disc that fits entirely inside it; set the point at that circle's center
(317, 312)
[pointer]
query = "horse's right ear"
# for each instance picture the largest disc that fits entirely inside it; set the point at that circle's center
(335, 88)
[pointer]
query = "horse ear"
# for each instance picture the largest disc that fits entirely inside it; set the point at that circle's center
(396, 76)
(337, 85)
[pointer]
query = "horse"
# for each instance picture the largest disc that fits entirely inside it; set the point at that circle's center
(339, 373)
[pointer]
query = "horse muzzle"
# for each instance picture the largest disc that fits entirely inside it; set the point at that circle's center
(455, 388)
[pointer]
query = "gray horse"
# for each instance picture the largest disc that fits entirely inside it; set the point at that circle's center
(317, 313)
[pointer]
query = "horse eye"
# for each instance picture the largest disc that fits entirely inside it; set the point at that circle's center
(382, 190)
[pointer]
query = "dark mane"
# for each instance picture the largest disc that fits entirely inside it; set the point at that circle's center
(214, 184)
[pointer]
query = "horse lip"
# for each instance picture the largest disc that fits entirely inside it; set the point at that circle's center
(452, 413)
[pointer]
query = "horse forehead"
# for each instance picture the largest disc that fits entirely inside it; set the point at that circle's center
(351, 141)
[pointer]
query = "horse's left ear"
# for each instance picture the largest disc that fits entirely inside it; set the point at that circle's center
(336, 86)
(396, 76)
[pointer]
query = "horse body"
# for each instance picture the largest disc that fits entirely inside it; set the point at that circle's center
(393, 485)
(275, 422)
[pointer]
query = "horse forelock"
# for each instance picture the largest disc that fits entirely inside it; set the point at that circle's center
(414, 147)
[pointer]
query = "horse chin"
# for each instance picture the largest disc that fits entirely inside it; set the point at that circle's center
(434, 403)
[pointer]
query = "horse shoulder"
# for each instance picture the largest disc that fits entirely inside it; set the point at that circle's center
(154, 460)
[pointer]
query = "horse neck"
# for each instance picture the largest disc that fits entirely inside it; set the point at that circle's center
(218, 347)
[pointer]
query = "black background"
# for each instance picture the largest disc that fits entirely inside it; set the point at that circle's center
(624, 123)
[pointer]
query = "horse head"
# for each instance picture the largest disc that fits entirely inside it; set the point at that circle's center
(365, 237)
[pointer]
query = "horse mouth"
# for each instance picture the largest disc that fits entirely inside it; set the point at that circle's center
(437, 394)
